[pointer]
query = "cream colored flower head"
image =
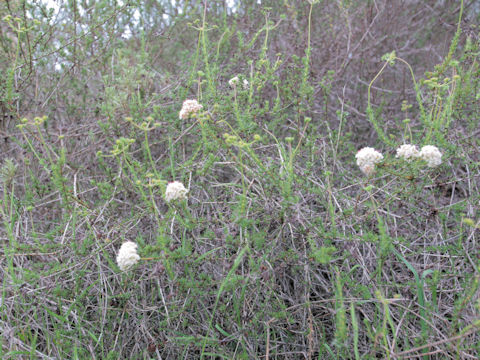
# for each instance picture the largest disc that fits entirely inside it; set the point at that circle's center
(127, 255)
(234, 81)
(408, 152)
(175, 190)
(189, 108)
(431, 155)
(367, 158)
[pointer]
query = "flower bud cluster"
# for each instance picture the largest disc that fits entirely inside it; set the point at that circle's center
(127, 255)
(175, 191)
(367, 158)
(189, 108)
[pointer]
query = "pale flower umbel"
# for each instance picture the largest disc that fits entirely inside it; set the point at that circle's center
(127, 255)
(367, 158)
(234, 81)
(408, 152)
(175, 190)
(189, 108)
(431, 155)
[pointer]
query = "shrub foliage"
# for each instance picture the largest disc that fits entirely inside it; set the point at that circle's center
(283, 248)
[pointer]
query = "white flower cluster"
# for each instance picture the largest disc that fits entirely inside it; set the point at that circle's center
(431, 155)
(127, 255)
(234, 81)
(367, 158)
(189, 107)
(408, 152)
(175, 190)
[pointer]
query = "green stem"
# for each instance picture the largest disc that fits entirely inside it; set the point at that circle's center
(370, 114)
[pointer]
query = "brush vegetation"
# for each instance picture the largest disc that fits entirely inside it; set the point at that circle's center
(283, 248)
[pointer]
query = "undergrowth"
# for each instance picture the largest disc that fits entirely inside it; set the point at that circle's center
(283, 248)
